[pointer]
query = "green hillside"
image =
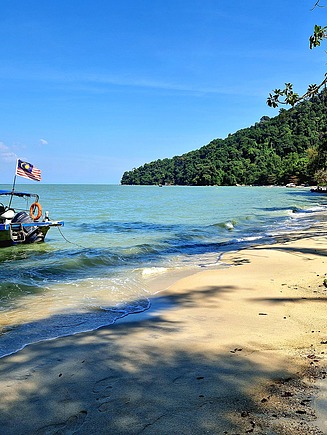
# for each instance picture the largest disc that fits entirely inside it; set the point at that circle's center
(287, 148)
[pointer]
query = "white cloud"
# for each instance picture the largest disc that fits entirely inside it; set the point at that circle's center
(6, 154)
(43, 142)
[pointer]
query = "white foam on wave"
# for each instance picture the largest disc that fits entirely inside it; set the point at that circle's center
(296, 213)
(229, 225)
(251, 238)
(151, 271)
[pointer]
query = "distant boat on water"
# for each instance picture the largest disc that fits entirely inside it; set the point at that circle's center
(319, 189)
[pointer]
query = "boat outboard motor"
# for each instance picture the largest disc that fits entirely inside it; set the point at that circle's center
(30, 234)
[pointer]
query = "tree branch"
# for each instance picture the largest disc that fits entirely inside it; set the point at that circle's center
(287, 96)
(317, 5)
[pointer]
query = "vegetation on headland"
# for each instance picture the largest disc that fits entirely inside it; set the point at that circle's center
(289, 148)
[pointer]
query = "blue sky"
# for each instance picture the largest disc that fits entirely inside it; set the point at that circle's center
(92, 88)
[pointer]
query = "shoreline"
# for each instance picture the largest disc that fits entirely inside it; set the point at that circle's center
(232, 350)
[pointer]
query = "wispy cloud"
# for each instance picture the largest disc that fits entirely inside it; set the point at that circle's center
(181, 77)
(6, 154)
(102, 82)
(43, 142)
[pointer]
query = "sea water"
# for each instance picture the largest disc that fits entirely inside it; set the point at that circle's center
(117, 240)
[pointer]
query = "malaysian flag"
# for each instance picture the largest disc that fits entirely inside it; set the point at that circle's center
(25, 169)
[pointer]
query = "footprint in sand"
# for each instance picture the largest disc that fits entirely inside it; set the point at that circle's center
(103, 390)
(70, 426)
(107, 394)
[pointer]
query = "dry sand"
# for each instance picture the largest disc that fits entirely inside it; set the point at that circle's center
(232, 351)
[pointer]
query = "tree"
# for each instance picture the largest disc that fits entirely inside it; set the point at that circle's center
(321, 177)
(287, 95)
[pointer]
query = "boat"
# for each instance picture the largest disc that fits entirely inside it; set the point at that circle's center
(21, 223)
(319, 189)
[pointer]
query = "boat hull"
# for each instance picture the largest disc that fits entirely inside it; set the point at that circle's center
(16, 233)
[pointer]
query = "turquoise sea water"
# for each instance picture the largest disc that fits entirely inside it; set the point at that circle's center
(117, 239)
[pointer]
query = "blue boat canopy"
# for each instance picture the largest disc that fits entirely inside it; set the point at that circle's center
(20, 194)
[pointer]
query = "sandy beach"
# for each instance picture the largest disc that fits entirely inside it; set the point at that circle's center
(223, 351)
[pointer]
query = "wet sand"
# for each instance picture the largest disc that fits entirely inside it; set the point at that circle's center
(229, 351)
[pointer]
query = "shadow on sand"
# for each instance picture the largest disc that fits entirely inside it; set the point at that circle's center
(136, 377)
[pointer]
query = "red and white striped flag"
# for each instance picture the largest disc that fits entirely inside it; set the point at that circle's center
(25, 169)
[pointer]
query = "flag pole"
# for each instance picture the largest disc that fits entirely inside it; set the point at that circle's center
(14, 183)
(13, 186)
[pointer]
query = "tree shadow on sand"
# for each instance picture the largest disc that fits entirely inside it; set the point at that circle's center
(139, 377)
(135, 377)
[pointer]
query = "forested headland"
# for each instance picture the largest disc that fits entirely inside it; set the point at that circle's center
(288, 148)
